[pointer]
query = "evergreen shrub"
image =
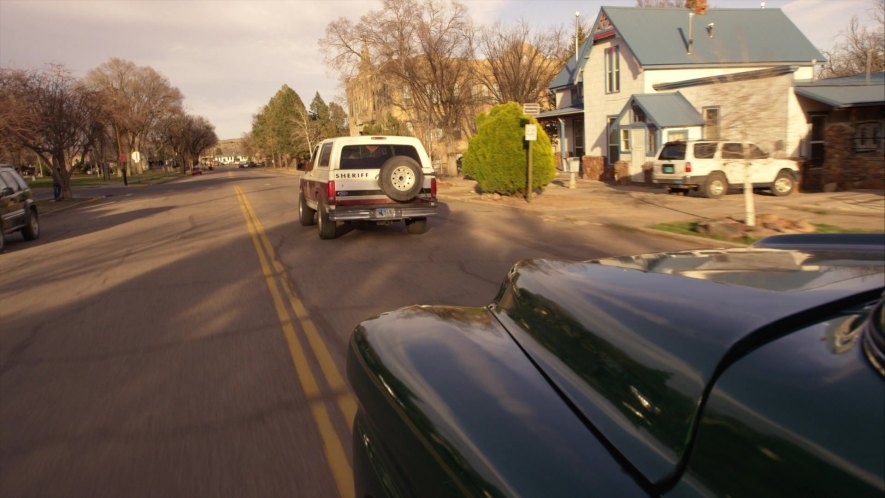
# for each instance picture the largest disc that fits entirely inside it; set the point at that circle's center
(497, 155)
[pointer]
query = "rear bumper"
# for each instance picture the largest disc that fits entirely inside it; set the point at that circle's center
(382, 213)
(681, 181)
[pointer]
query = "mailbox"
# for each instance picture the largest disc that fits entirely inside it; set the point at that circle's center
(572, 165)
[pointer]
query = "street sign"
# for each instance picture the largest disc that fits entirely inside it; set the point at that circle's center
(531, 108)
(531, 132)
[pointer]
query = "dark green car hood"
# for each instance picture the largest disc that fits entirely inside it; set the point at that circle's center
(633, 343)
(455, 408)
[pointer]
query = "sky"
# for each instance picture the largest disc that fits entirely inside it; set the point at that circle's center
(229, 58)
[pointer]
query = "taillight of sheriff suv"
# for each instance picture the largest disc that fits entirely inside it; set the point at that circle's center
(330, 192)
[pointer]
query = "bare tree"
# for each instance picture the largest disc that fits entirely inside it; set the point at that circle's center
(51, 114)
(135, 100)
(424, 52)
(521, 64)
(188, 136)
(860, 48)
(247, 143)
(307, 128)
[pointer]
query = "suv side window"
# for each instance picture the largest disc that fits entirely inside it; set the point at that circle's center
(704, 150)
(756, 152)
(9, 180)
(325, 154)
(732, 151)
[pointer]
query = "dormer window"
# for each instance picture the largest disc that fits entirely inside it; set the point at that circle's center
(577, 94)
(612, 69)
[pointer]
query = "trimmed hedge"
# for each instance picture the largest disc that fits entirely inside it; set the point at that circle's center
(497, 155)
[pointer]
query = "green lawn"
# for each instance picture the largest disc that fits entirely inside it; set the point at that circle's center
(97, 180)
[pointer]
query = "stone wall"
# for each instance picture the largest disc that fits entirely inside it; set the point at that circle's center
(593, 168)
(846, 169)
(622, 173)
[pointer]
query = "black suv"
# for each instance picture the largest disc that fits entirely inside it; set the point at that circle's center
(18, 212)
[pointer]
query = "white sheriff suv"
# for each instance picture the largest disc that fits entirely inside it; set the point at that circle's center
(713, 167)
(379, 179)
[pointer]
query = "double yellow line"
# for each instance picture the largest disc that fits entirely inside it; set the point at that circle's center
(285, 299)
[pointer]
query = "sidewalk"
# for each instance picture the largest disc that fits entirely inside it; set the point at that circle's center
(639, 206)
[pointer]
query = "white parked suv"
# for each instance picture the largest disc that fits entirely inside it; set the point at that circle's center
(712, 167)
(379, 179)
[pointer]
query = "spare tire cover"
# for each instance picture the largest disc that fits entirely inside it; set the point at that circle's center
(401, 178)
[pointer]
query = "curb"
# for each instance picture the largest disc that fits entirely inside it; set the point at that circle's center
(686, 238)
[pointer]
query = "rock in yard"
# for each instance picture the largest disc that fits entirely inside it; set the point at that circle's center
(726, 229)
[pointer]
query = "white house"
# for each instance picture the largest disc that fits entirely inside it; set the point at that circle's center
(652, 75)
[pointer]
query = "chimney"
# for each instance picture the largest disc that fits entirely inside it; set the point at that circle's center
(690, 31)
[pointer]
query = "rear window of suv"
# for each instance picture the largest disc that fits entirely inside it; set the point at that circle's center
(373, 156)
(673, 151)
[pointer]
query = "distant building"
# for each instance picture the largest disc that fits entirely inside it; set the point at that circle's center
(376, 102)
(229, 151)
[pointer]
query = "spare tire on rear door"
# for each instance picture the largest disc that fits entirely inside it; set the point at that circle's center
(401, 178)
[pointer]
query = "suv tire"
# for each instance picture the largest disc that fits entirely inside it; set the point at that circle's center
(716, 185)
(401, 178)
(326, 226)
(31, 229)
(306, 215)
(416, 226)
(783, 184)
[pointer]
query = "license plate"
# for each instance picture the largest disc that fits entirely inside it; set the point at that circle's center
(385, 212)
(668, 168)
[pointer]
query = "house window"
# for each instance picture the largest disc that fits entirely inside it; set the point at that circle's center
(651, 141)
(578, 128)
(612, 70)
(577, 94)
(711, 123)
(867, 136)
(612, 135)
(674, 135)
(625, 140)
(818, 121)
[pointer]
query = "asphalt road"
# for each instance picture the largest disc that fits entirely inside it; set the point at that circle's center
(188, 339)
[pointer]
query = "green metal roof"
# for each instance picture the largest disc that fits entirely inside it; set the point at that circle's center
(562, 111)
(851, 91)
(666, 110)
(568, 75)
(659, 37)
